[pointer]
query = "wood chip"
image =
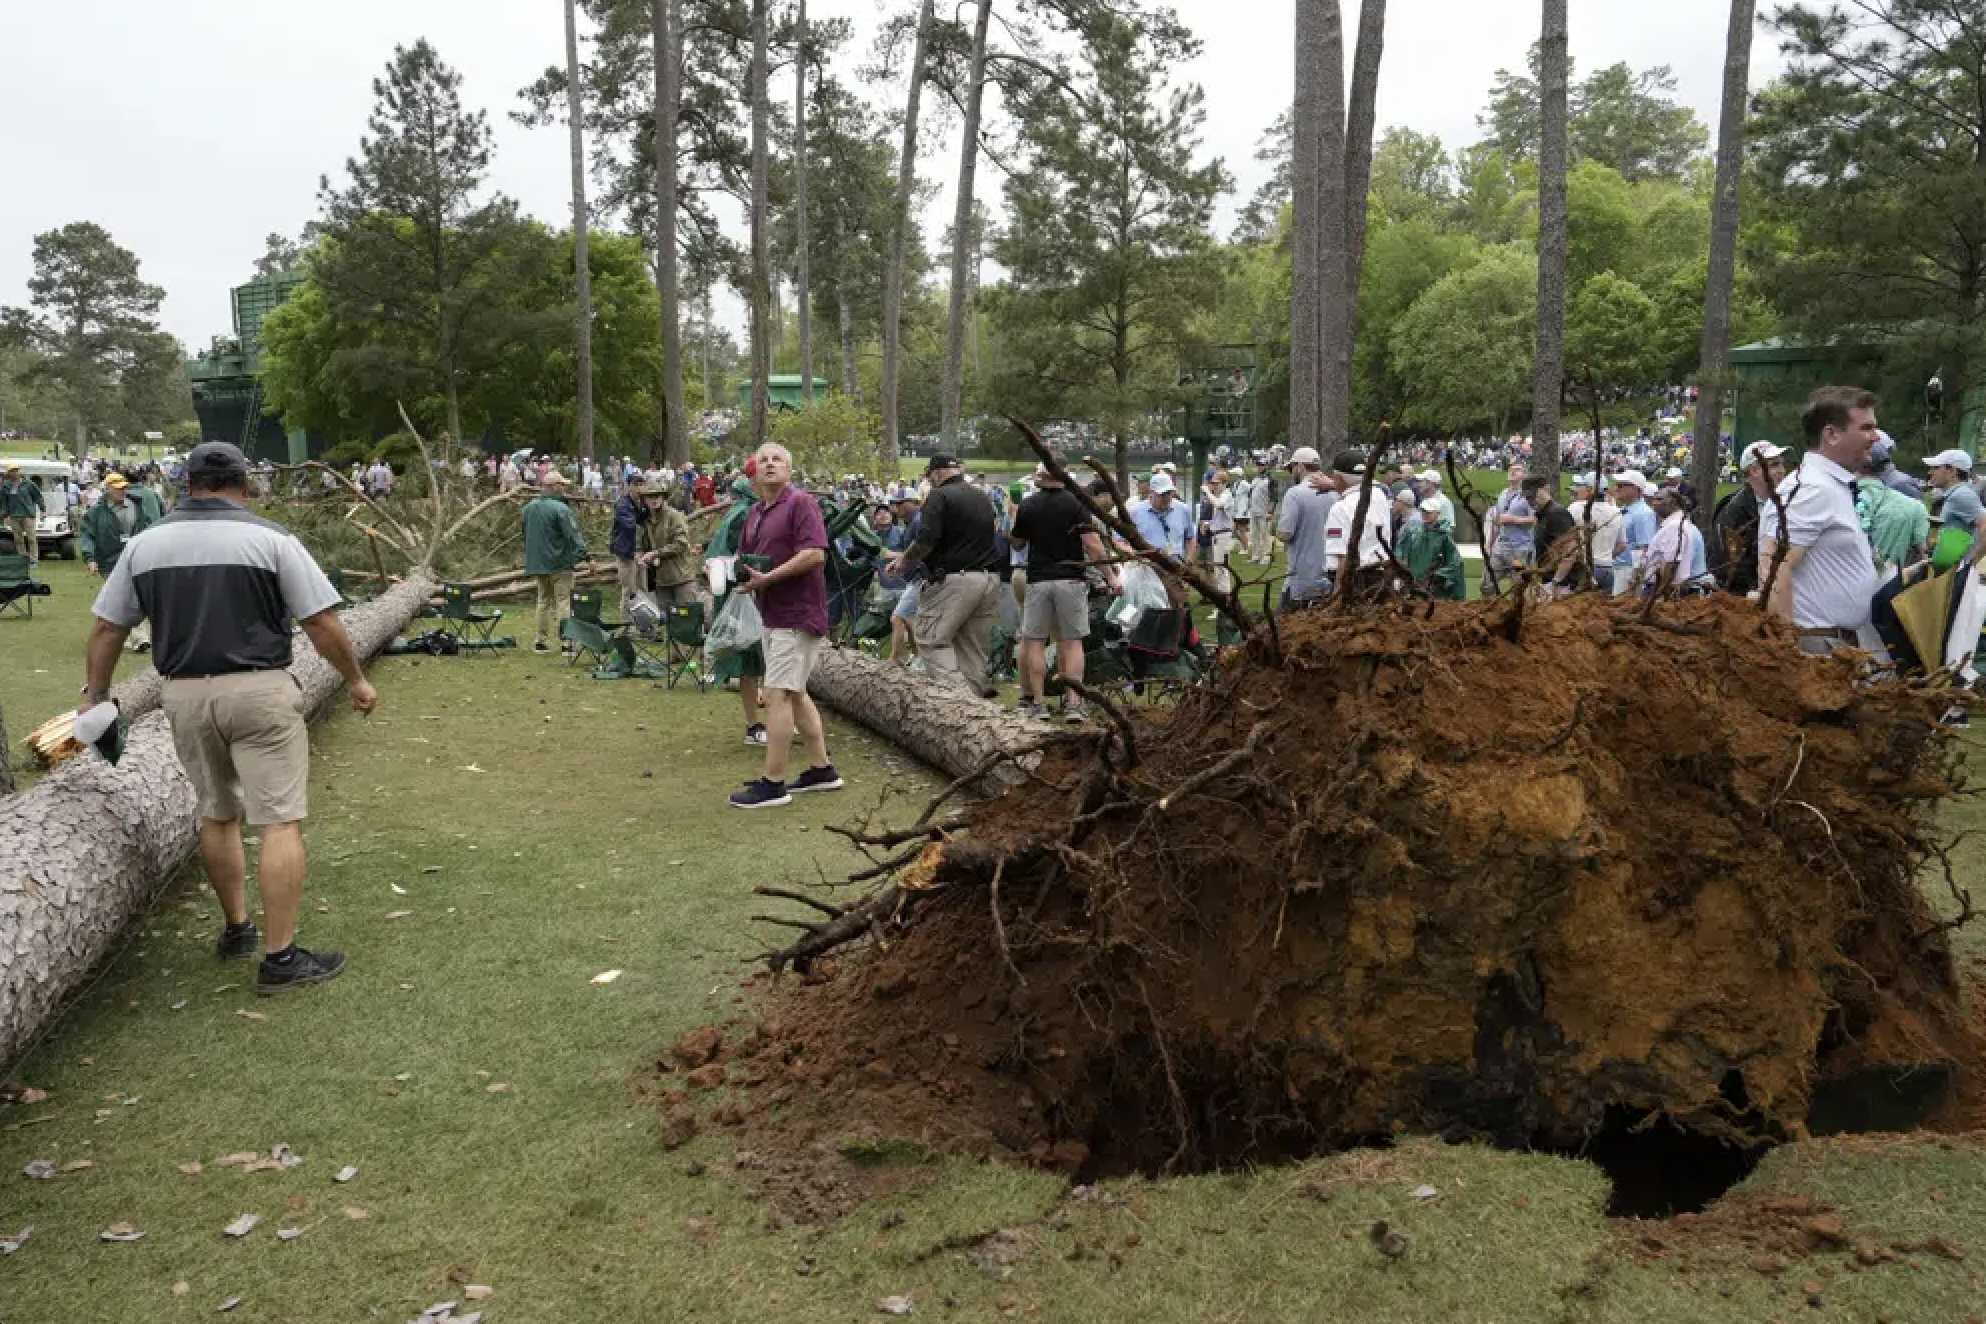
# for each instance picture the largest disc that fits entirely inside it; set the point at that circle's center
(497, 1087)
(605, 977)
(191, 1169)
(355, 1213)
(236, 1160)
(477, 1292)
(120, 1232)
(77, 1165)
(396, 914)
(345, 1174)
(242, 1226)
(247, 1015)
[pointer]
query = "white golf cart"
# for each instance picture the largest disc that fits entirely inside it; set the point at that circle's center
(54, 528)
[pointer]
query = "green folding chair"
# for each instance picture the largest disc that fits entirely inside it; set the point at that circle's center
(18, 590)
(461, 612)
(587, 604)
(682, 628)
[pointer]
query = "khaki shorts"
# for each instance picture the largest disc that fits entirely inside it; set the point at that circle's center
(1056, 609)
(243, 743)
(790, 656)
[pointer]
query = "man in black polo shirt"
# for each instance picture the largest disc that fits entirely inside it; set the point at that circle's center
(955, 608)
(1061, 544)
(220, 587)
(1554, 521)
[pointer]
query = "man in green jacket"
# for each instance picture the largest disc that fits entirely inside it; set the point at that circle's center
(20, 506)
(1429, 552)
(553, 546)
(663, 545)
(111, 523)
(148, 500)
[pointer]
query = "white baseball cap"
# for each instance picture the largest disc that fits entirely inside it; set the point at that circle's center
(1586, 480)
(1673, 472)
(1305, 455)
(1758, 452)
(1958, 460)
(1162, 482)
(1428, 476)
(1431, 506)
(1633, 478)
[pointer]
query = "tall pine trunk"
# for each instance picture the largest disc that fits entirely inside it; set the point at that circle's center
(893, 273)
(1332, 247)
(1358, 179)
(851, 385)
(667, 25)
(761, 230)
(1548, 372)
(1707, 456)
(582, 275)
(709, 379)
(803, 274)
(1306, 272)
(962, 228)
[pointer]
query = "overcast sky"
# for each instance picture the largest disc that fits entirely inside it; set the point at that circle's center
(192, 129)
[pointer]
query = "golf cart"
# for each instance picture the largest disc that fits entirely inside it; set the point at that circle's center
(53, 527)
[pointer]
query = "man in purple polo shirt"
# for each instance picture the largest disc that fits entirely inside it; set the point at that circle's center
(787, 530)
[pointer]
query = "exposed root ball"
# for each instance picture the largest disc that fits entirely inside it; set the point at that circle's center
(1414, 874)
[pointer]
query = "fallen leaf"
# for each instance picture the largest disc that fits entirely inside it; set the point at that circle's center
(41, 1169)
(177, 1006)
(470, 767)
(191, 1169)
(78, 1165)
(605, 977)
(288, 1233)
(181, 1288)
(229, 1304)
(477, 1292)
(345, 1174)
(440, 1310)
(432, 868)
(32, 1096)
(235, 1160)
(120, 1232)
(355, 1213)
(396, 914)
(397, 889)
(296, 1204)
(247, 1015)
(242, 1226)
(262, 1165)
(1426, 1193)
(286, 1157)
(8, 1245)
(497, 1087)
(895, 1305)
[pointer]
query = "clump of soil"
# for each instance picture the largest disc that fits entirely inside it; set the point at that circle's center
(1452, 870)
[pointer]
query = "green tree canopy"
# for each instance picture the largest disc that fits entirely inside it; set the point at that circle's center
(1463, 351)
(1626, 121)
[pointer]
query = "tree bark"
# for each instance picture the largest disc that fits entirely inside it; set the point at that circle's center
(803, 276)
(893, 274)
(582, 274)
(666, 20)
(1332, 250)
(85, 849)
(851, 385)
(1358, 179)
(1548, 372)
(962, 227)
(1707, 455)
(761, 229)
(1306, 273)
(941, 724)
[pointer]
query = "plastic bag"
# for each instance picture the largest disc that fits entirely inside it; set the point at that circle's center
(1143, 590)
(736, 627)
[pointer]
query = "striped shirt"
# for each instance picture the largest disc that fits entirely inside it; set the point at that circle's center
(220, 587)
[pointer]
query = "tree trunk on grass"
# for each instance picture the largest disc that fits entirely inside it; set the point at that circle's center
(941, 724)
(84, 850)
(1707, 456)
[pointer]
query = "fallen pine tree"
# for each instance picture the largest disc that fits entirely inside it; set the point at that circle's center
(1533, 874)
(85, 849)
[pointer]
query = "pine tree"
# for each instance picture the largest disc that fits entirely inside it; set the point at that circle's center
(1548, 372)
(1707, 456)
(582, 276)
(895, 272)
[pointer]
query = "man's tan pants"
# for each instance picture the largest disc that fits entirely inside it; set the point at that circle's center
(26, 543)
(954, 626)
(554, 603)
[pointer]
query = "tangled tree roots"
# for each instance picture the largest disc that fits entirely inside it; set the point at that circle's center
(1429, 869)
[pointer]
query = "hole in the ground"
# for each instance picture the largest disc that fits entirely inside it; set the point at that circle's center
(1660, 1170)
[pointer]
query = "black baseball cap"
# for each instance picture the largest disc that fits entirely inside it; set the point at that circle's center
(937, 462)
(216, 459)
(1349, 462)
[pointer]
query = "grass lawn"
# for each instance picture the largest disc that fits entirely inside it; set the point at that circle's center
(502, 831)
(41, 660)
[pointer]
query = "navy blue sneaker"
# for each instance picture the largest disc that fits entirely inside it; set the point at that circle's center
(817, 779)
(761, 794)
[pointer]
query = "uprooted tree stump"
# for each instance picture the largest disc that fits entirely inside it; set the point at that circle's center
(86, 848)
(1412, 873)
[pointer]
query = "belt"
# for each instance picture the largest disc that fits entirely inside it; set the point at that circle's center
(1845, 636)
(216, 675)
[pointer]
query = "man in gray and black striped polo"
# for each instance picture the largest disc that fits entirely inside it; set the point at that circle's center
(220, 587)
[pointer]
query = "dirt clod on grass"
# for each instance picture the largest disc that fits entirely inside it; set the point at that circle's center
(1455, 871)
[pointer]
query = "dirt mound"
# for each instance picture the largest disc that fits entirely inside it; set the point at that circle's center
(1451, 870)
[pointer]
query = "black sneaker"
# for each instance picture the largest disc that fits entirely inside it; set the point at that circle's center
(755, 734)
(541, 647)
(816, 779)
(301, 969)
(238, 941)
(761, 794)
